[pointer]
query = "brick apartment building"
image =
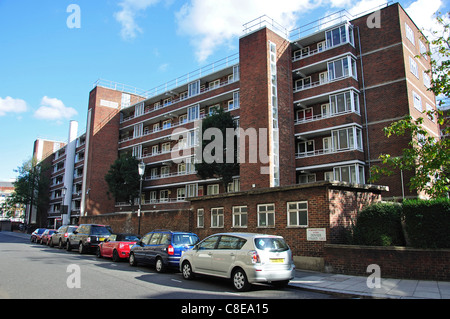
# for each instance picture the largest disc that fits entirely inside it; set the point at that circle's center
(323, 93)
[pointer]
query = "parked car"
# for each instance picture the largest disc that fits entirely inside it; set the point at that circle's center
(117, 246)
(36, 235)
(61, 235)
(87, 237)
(45, 237)
(162, 248)
(245, 258)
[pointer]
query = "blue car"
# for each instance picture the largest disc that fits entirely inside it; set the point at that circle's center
(162, 249)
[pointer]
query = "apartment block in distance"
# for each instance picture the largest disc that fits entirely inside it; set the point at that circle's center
(321, 93)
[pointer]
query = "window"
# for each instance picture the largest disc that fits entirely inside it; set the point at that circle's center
(306, 178)
(165, 171)
(153, 197)
(297, 214)
(266, 215)
(182, 119)
(305, 148)
(321, 46)
(192, 190)
(429, 109)
(181, 194)
(304, 114)
(323, 77)
(301, 53)
(214, 84)
(350, 174)
(213, 109)
(230, 242)
(409, 33)
(194, 88)
(193, 113)
(166, 124)
(164, 196)
(154, 173)
(155, 239)
(156, 127)
(339, 35)
(154, 149)
(209, 243)
(200, 218)
(303, 83)
(217, 217)
(234, 186)
(213, 189)
(167, 101)
(240, 216)
(413, 67)
(417, 101)
(348, 138)
(165, 147)
(426, 80)
(329, 176)
(423, 50)
(341, 68)
(181, 168)
(234, 103)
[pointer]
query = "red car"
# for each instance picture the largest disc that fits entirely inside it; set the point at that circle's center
(117, 246)
(45, 238)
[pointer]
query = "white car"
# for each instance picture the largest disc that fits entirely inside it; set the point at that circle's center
(245, 258)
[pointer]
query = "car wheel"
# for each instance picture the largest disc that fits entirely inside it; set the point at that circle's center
(186, 271)
(68, 247)
(60, 244)
(240, 281)
(115, 256)
(99, 252)
(81, 248)
(132, 260)
(50, 243)
(159, 266)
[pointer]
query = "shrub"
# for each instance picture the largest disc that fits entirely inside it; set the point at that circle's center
(428, 222)
(379, 225)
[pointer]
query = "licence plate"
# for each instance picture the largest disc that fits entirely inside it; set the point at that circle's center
(277, 260)
(101, 239)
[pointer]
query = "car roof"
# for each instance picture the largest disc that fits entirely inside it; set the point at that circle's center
(247, 235)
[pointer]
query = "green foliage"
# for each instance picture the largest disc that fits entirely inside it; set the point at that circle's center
(379, 225)
(223, 169)
(428, 222)
(123, 178)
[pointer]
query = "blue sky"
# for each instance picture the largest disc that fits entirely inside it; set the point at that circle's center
(47, 68)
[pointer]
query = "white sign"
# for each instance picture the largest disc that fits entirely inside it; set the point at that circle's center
(316, 234)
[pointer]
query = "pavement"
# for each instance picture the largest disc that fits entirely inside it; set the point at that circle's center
(357, 286)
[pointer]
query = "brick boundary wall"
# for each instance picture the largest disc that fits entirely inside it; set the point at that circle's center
(394, 262)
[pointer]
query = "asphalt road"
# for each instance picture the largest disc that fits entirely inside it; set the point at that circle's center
(29, 270)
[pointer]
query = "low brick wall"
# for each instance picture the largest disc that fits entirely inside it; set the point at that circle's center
(394, 262)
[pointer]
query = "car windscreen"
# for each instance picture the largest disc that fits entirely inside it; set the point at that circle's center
(184, 239)
(99, 230)
(127, 238)
(271, 244)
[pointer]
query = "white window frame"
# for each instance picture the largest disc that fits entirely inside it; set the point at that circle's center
(238, 212)
(165, 171)
(409, 33)
(212, 189)
(417, 99)
(163, 195)
(303, 83)
(217, 217)
(165, 147)
(413, 67)
(297, 211)
(181, 194)
(263, 210)
(193, 113)
(200, 218)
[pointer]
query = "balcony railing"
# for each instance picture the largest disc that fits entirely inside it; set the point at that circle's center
(325, 152)
(322, 116)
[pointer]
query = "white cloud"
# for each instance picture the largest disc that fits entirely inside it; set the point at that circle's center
(54, 109)
(11, 105)
(422, 13)
(127, 16)
(211, 24)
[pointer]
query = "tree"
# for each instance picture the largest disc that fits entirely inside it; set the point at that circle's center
(218, 159)
(31, 187)
(426, 156)
(123, 179)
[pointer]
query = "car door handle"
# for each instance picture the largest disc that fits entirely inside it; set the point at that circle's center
(210, 253)
(232, 254)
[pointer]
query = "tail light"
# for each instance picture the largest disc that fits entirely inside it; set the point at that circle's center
(170, 250)
(66, 235)
(255, 257)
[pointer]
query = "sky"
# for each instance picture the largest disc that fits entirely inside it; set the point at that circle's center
(52, 52)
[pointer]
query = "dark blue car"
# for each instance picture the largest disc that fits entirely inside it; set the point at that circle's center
(162, 248)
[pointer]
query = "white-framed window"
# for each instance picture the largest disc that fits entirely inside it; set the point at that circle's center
(323, 77)
(213, 189)
(217, 217)
(234, 103)
(213, 109)
(266, 215)
(165, 171)
(155, 149)
(153, 197)
(166, 124)
(322, 46)
(182, 119)
(156, 127)
(183, 95)
(409, 33)
(154, 173)
(423, 50)
(344, 102)
(303, 52)
(413, 67)
(240, 216)
(167, 101)
(417, 101)
(351, 174)
(429, 108)
(194, 88)
(339, 35)
(164, 195)
(327, 144)
(328, 176)
(303, 83)
(200, 218)
(192, 190)
(306, 178)
(193, 113)
(165, 147)
(213, 84)
(325, 109)
(426, 80)
(234, 186)
(305, 148)
(181, 194)
(181, 168)
(297, 214)
(347, 139)
(340, 68)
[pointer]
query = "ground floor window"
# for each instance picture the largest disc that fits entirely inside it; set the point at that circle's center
(217, 217)
(240, 216)
(297, 213)
(266, 215)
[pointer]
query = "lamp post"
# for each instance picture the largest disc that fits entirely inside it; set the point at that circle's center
(141, 170)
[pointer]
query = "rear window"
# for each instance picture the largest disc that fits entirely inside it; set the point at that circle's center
(271, 244)
(99, 230)
(184, 239)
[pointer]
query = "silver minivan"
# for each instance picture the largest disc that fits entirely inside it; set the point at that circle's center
(245, 258)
